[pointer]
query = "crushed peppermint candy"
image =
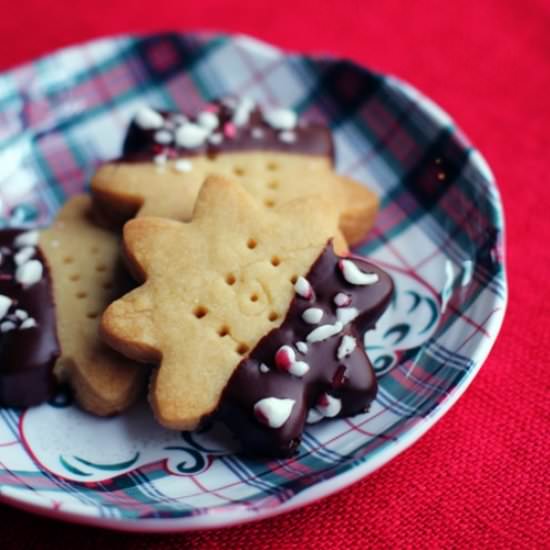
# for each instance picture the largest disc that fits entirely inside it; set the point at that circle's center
(21, 314)
(24, 255)
(281, 119)
(6, 326)
(273, 412)
(303, 288)
(208, 120)
(346, 314)
(312, 315)
(299, 368)
(148, 119)
(301, 347)
(288, 136)
(264, 368)
(183, 165)
(242, 111)
(190, 135)
(29, 273)
(27, 323)
(347, 347)
(324, 332)
(29, 238)
(5, 304)
(313, 416)
(328, 405)
(284, 357)
(353, 275)
(342, 299)
(229, 130)
(164, 137)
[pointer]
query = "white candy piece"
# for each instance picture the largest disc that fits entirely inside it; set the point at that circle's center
(301, 347)
(148, 118)
(164, 137)
(29, 273)
(264, 368)
(288, 136)
(299, 368)
(257, 133)
(274, 411)
(303, 288)
(191, 135)
(6, 326)
(346, 314)
(208, 120)
(183, 165)
(5, 304)
(354, 276)
(24, 255)
(281, 119)
(21, 314)
(332, 408)
(242, 111)
(341, 299)
(27, 323)
(312, 315)
(29, 238)
(216, 138)
(346, 347)
(324, 332)
(313, 416)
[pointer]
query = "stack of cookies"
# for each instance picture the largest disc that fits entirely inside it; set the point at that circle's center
(235, 281)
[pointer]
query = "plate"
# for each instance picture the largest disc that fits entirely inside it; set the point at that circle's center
(439, 234)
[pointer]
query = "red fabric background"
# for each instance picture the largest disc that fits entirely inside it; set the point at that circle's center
(481, 477)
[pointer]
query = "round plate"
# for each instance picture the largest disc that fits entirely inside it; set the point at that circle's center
(439, 234)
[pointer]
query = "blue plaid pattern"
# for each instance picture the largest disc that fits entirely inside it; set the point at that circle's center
(440, 227)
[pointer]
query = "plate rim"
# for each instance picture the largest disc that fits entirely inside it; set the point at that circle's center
(222, 516)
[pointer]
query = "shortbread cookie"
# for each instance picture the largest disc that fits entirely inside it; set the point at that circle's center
(273, 155)
(87, 275)
(217, 310)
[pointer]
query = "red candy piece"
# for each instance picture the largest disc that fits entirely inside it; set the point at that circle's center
(229, 130)
(284, 357)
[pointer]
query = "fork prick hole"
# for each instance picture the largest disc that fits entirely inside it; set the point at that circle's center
(199, 312)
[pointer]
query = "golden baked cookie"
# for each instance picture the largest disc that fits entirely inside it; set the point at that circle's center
(272, 154)
(215, 288)
(86, 273)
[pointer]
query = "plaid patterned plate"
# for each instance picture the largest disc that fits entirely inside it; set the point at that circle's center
(439, 233)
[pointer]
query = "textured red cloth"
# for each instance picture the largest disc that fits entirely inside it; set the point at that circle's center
(481, 477)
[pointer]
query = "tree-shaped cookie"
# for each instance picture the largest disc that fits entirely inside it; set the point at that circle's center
(215, 288)
(276, 157)
(86, 273)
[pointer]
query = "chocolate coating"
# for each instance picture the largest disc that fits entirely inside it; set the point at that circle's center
(27, 356)
(311, 139)
(351, 379)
